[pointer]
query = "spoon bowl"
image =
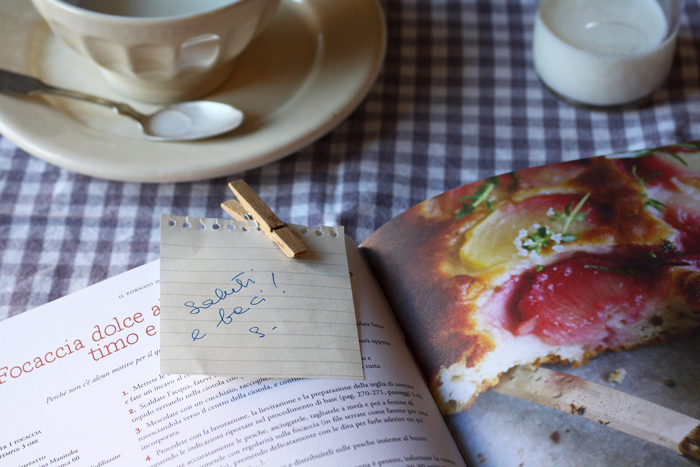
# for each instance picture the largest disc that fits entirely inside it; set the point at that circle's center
(190, 120)
(180, 121)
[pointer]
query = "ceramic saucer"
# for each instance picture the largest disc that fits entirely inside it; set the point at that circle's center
(300, 78)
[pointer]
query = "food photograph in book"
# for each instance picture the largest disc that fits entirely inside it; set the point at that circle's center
(547, 265)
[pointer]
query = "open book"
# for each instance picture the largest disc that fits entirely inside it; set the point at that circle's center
(434, 299)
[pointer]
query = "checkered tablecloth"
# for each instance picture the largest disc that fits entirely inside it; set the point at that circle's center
(456, 101)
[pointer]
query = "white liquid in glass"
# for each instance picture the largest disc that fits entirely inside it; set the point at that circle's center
(149, 8)
(602, 52)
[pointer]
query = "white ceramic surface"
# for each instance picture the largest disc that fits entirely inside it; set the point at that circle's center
(165, 58)
(322, 57)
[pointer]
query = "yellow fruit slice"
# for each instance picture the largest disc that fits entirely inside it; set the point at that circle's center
(492, 242)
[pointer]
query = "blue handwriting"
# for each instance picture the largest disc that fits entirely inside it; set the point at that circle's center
(220, 294)
(239, 310)
(195, 335)
(225, 317)
(256, 330)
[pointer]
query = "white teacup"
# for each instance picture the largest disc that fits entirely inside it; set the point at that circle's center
(159, 50)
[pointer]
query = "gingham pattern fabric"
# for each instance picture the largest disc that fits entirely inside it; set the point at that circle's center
(456, 101)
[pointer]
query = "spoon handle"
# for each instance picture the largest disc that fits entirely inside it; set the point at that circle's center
(17, 83)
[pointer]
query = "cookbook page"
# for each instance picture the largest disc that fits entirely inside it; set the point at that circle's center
(577, 261)
(80, 386)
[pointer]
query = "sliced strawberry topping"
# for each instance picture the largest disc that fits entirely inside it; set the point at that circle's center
(683, 213)
(672, 192)
(590, 299)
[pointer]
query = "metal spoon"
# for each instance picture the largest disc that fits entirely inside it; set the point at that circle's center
(175, 122)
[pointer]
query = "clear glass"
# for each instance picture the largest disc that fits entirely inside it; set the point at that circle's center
(605, 53)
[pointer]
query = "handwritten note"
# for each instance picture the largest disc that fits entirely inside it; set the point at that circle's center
(232, 304)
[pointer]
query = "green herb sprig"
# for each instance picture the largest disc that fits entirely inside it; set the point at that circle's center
(541, 238)
(666, 255)
(635, 269)
(544, 237)
(665, 249)
(656, 204)
(471, 202)
(663, 150)
(674, 155)
(568, 216)
(516, 181)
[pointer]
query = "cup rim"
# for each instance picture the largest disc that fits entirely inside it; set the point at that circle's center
(671, 35)
(69, 7)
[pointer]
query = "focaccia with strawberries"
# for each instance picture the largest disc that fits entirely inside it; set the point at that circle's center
(549, 264)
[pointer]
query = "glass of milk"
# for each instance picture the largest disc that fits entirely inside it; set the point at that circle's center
(605, 53)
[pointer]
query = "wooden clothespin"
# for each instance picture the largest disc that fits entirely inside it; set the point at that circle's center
(250, 206)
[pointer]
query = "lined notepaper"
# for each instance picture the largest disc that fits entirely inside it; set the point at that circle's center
(232, 304)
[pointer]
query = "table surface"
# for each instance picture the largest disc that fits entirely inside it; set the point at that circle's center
(456, 101)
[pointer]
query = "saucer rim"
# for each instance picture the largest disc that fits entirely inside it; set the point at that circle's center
(21, 118)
